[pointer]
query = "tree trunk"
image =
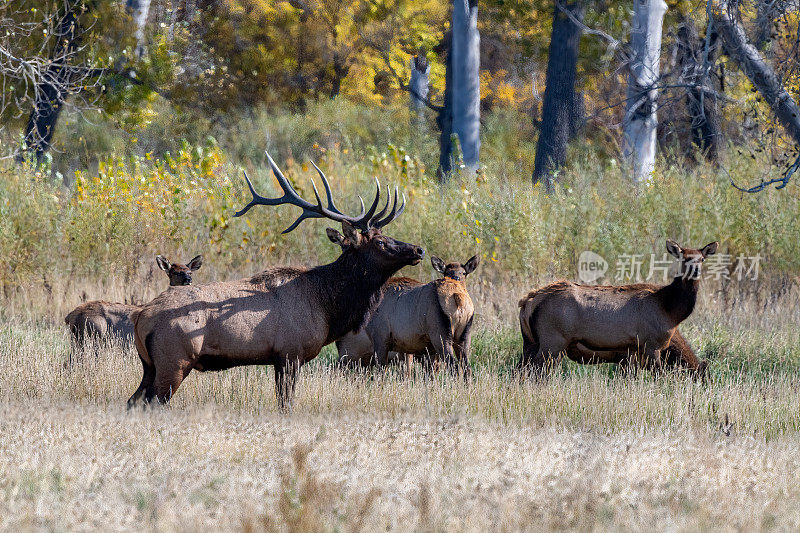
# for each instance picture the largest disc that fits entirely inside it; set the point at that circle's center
(445, 122)
(577, 115)
(418, 89)
(466, 91)
(757, 70)
(340, 70)
(139, 10)
(52, 89)
(558, 107)
(640, 120)
(697, 66)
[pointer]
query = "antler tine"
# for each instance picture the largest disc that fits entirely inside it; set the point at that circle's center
(289, 193)
(328, 194)
(382, 212)
(394, 213)
(304, 215)
(364, 220)
(255, 201)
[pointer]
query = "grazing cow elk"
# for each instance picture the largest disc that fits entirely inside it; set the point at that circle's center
(282, 316)
(419, 319)
(101, 320)
(586, 321)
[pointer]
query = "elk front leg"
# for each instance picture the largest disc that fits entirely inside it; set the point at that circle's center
(380, 347)
(410, 358)
(446, 353)
(653, 361)
(285, 379)
(462, 349)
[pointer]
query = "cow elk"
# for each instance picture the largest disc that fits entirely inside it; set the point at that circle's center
(679, 354)
(282, 316)
(101, 320)
(418, 319)
(629, 323)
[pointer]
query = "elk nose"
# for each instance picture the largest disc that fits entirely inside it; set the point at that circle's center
(420, 252)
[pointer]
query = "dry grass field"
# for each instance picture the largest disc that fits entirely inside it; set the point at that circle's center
(588, 449)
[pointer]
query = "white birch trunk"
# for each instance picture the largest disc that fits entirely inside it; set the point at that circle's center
(640, 114)
(466, 79)
(418, 88)
(139, 10)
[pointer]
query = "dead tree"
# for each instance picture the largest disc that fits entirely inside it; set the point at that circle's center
(762, 76)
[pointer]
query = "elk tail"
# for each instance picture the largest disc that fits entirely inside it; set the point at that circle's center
(529, 304)
(525, 316)
(69, 319)
(140, 343)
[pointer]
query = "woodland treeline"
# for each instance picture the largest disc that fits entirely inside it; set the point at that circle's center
(641, 79)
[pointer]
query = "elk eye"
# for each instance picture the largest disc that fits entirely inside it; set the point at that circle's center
(381, 244)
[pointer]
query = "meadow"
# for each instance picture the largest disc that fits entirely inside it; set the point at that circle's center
(588, 449)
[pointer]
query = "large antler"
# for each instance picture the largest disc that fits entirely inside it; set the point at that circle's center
(364, 221)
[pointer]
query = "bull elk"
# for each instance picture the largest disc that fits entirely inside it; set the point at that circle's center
(103, 320)
(282, 316)
(418, 319)
(586, 321)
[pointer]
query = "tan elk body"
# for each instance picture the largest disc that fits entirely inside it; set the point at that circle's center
(281, 317)
(101, 320)
(414, 318)
(678, 353)
(581, 320)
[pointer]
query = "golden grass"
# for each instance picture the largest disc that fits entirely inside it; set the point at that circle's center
(586, 450)
(73, 466)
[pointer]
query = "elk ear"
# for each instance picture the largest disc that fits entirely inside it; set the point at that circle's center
(336, 237)
(195, 263)
(351, 233)
(163, 264)
(438, 264)
(471, 265)
(674, 249)
(709, 249)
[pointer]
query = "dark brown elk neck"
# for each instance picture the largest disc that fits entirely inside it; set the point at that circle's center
(679, 298)
(349, 290)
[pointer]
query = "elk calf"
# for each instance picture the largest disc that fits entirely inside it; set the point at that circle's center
(586, 321)
(419, 319)
(103, 320)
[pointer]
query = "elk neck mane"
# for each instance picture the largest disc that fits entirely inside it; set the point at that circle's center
(678, 298)
(349, 291)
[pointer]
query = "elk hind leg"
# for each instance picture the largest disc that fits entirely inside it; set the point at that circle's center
(166, 383)
(551, 346)
(148, 377)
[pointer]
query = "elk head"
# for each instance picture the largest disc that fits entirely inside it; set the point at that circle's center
(179, 274)
(361, 235)
(455, 271)
(690, 258)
